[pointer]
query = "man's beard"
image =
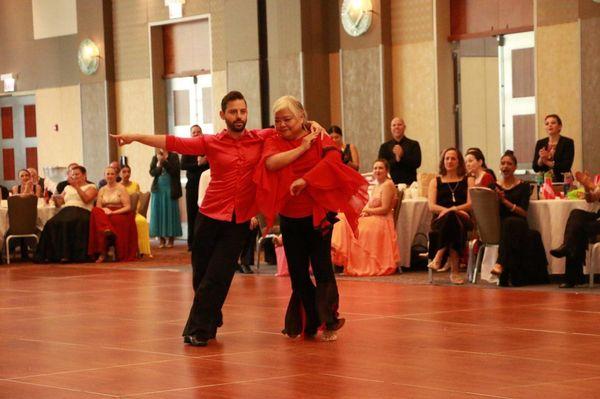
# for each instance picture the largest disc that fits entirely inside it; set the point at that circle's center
(231, 126)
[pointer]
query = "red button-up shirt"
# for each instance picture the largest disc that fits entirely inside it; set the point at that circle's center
(232, 162)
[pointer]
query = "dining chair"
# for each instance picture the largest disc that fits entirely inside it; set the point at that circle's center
(22, 219)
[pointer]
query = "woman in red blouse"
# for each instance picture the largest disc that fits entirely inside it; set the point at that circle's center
(477, 169)
(301, 176)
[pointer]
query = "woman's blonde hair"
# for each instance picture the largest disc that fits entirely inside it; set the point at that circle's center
(291, 103)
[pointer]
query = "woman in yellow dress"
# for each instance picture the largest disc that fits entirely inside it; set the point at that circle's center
(143, 227)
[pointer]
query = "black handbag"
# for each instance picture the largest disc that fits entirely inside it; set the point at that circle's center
(418, 252)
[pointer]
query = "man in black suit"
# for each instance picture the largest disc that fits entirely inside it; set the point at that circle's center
(193, 166)
(402, 153)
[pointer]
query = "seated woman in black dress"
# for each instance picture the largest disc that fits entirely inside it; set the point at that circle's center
(349, 151)
(521, 255)
(65, 236)
(554, 152)
(27, 186)
(450, 204)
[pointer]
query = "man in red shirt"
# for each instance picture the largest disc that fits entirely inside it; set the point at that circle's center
(226, 210)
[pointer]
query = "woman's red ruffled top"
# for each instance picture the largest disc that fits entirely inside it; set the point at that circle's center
(331, 185)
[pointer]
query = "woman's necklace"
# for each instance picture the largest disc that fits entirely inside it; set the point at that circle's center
(452, 190)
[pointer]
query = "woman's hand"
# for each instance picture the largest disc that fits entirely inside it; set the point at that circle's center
(442, 213)
(107, 211)
(308, 140)
(123, 139)
(297, 186)
(365, 212)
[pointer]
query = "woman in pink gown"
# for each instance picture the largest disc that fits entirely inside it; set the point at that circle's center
(375, 251)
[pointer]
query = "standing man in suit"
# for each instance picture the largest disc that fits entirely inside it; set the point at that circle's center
(402, 153)
(193, 165)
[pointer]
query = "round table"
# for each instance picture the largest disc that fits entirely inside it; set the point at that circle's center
(549, 217)
(414, 218)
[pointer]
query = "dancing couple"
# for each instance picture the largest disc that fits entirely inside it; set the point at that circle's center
(293, 170)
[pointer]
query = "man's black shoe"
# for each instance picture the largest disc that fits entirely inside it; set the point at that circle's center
(195, 341)
(246, 269)
(560, 252)
(567, 285)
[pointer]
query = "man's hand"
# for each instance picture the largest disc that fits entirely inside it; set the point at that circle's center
(315, 127)
(297, 186)
(253, 223)
(201, 160)
(160, 155)
(398, 152)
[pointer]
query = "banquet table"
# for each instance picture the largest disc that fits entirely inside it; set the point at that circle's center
(44, 213)
(549, 217)
(414, 218)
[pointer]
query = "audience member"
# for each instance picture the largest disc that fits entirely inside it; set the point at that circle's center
(165, 221)
(477, 169)
(554, 153)
(141, 224)
(35, 177)
(450, 203)
(581, 227)
(375, 251)
(27, 186)
(65, 236)
(402, 154)
(4, 191)
(349, 151)
(61, 185)
(194, 165)
(115, 165)
(521, 255)
(112, 222)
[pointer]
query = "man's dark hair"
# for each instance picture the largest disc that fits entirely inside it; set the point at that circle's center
(231, 96)
(80, 168)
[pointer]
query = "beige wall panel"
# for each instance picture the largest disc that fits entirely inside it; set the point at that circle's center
(335, 89)
(241, 40)
(558, 80)
(492, 114)
(590, 77)
(217, 35)
(480, 107)
(361, 97)
(219, 89)
(412, 21)
(244, 77)
(284, 28)
(61, 106)
(130, 35)
(52, 18)
(134, 115)
(284, 78)
(413, 69)
(552, 12)
(445, 76)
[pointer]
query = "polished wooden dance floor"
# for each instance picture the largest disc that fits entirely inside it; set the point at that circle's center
(84, 331)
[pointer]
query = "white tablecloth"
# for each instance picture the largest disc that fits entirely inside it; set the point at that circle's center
(549, 217)
(45, 212)
(414, 218)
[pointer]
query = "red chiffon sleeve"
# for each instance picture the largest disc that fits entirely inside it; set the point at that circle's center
(332, 186)
(336, 187)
